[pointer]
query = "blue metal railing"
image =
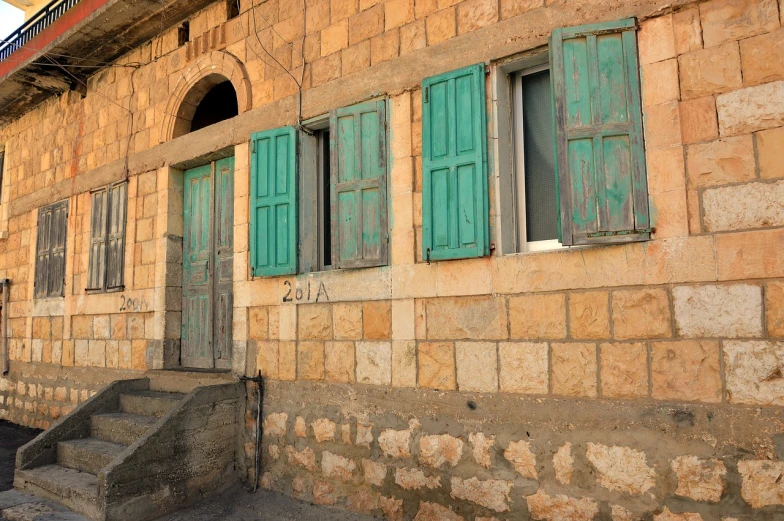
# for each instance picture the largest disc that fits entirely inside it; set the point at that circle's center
(32, 27)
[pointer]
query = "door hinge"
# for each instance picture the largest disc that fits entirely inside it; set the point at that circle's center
(426, 95)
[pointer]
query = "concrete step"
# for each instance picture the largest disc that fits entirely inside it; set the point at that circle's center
(185, 381)
(149, 403)
(120, 427)
(76, 490)
(88, 455)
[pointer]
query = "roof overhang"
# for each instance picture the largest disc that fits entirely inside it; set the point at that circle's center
(91, 32)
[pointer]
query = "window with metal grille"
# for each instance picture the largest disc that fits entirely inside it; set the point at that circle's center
(107, 238)
(50, 250)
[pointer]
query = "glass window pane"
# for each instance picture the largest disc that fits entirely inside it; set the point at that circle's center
(541, 208)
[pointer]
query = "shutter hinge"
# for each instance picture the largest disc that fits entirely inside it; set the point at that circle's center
(428, 256)
(253, 146)
(253, 271)
(487, 70)
(426, 94)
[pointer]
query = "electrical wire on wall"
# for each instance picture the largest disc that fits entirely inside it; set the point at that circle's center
(282, 67)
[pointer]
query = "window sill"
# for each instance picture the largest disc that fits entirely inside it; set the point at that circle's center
(91, 291)
(551, 250)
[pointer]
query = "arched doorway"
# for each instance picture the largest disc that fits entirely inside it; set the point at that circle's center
(207, 92)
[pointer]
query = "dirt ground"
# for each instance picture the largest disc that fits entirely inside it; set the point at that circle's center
(11, 438)
(236, 504)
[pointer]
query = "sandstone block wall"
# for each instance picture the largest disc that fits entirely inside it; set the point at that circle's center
(682, 335)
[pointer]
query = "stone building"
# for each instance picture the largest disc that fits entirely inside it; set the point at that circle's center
(496, 260)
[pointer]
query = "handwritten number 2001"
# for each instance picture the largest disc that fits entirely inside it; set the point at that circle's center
(129, 304)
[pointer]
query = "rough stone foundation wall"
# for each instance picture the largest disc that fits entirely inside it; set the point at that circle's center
(651, 373)
(431, 455)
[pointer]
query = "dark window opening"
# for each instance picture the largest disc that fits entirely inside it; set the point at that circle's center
(232, 9)
(541, 207)
(183, 33)
(326, 195)
(218, 104)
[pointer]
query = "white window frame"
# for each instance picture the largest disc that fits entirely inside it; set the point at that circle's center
(523, 245)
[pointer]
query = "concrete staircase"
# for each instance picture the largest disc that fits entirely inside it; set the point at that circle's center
(138, 449)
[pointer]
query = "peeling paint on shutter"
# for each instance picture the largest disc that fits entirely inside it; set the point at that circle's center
(599, 138)
(455, 207)
(359, 185)
(273, 202)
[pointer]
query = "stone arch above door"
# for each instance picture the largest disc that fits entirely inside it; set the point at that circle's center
(194, 83)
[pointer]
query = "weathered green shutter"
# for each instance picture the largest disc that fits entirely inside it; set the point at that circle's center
(273, 202)
(96, 275)
(454, 163)
(359, 186)
(599, 139)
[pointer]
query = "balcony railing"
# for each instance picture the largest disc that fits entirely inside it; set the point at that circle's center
(32, 27)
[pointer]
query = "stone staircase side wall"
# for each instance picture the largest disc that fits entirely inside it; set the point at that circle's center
(192, 452)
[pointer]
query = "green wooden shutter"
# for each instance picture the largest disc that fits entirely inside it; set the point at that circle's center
(273, 202)
(454, 165)
(359, 186)
(603, 192)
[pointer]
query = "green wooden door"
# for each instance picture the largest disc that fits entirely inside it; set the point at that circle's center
(223, 253)
(208, 247)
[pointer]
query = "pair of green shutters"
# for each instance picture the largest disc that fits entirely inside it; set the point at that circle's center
(358, 196)
(600, 161)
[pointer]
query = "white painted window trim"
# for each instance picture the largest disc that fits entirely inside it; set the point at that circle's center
(523, 245)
